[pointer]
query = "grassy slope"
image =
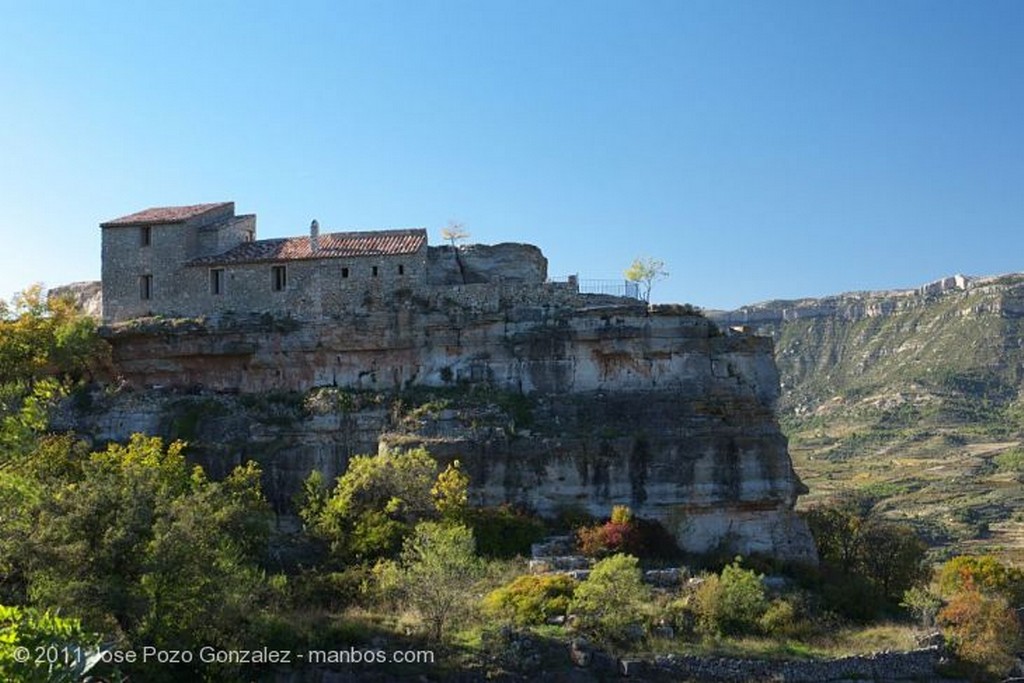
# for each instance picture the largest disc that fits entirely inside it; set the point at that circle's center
(922, 407)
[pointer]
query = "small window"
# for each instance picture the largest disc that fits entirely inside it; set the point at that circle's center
(145, 235)
(279, 278)
(146, 287)
(375, 271)
(344, 272)
(401, 269)
(216, 281)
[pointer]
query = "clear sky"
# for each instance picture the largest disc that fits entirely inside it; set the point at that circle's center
(762, 149)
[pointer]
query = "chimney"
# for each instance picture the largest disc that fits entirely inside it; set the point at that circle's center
(314, 237)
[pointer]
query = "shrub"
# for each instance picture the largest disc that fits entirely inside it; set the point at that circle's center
(731, 604)
(624, 533)
(621, 514)
(982, 630)
(611, 605)
(504, 532)
(984, 573)
(785, 618)
(531, 599)
(438, 567)
(604, 539)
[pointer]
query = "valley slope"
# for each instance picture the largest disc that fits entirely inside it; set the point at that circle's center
(913, 397)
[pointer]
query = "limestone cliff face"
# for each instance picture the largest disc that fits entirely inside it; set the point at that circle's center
(958, 337)
(552, 399)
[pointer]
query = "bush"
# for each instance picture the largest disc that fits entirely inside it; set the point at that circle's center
(731, 604)
(783, 619)
(611, 605)
(531, 599)
(504, 532)
(984, 573)
(624, 533)
(982, 630)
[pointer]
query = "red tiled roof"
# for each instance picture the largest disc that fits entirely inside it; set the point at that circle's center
(165, 214)
(331, 245)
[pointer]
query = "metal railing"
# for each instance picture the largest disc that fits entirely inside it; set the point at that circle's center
(612, 287)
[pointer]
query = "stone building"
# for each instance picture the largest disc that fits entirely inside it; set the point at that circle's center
(186, 261)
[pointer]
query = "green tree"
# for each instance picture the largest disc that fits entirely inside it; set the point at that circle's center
(438, 568)
(732, 603)
(611, 605)
(868, 563)
(378, 500)
(451, 492)
(69, 651)
(645, 271)
(144, 546)
(42, 337)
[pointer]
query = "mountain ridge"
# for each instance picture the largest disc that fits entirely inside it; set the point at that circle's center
(914, 397)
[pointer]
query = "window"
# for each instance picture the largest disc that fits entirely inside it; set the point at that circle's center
(146, 287)
(279, 278)
(145, 235)
(401, 269)
(344, 272)
(375, 271)
(216, 281)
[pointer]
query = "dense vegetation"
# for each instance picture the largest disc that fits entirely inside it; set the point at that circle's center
(112, 549)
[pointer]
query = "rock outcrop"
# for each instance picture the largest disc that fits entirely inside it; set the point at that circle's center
(554, 400)
(87, 296)
(477, 263)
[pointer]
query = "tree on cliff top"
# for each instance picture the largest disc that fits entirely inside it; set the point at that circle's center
(646, 271)
(455, 232)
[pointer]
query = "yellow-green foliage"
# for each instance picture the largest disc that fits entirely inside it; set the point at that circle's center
(531, 599)
(378, 500)
(621, 514)
(612, 604)
(42, 336)
(732, 603)
(66, 648)
(450, 491)
(141, 544)
(984, 573)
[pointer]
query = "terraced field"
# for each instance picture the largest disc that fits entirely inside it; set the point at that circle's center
(914, 398)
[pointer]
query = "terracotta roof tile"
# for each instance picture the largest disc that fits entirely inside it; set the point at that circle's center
(165, 214)
(332, 245)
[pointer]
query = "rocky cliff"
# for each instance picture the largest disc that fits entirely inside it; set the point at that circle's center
(551, 399)
(911, 396)
(958, 334)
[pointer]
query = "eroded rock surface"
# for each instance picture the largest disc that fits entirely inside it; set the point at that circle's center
(567, 403)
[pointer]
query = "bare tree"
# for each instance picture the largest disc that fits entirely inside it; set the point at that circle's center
(646, 271)
(455, 232)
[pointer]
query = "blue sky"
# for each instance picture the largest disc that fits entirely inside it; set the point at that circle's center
(761, 149)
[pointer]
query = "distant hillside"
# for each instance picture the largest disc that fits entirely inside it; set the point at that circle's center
(914, 396)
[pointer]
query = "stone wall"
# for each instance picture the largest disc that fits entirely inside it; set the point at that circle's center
(315, 288)
(916, 665)
(126, 257)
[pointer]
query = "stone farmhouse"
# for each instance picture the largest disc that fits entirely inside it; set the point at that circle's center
(203, 260)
